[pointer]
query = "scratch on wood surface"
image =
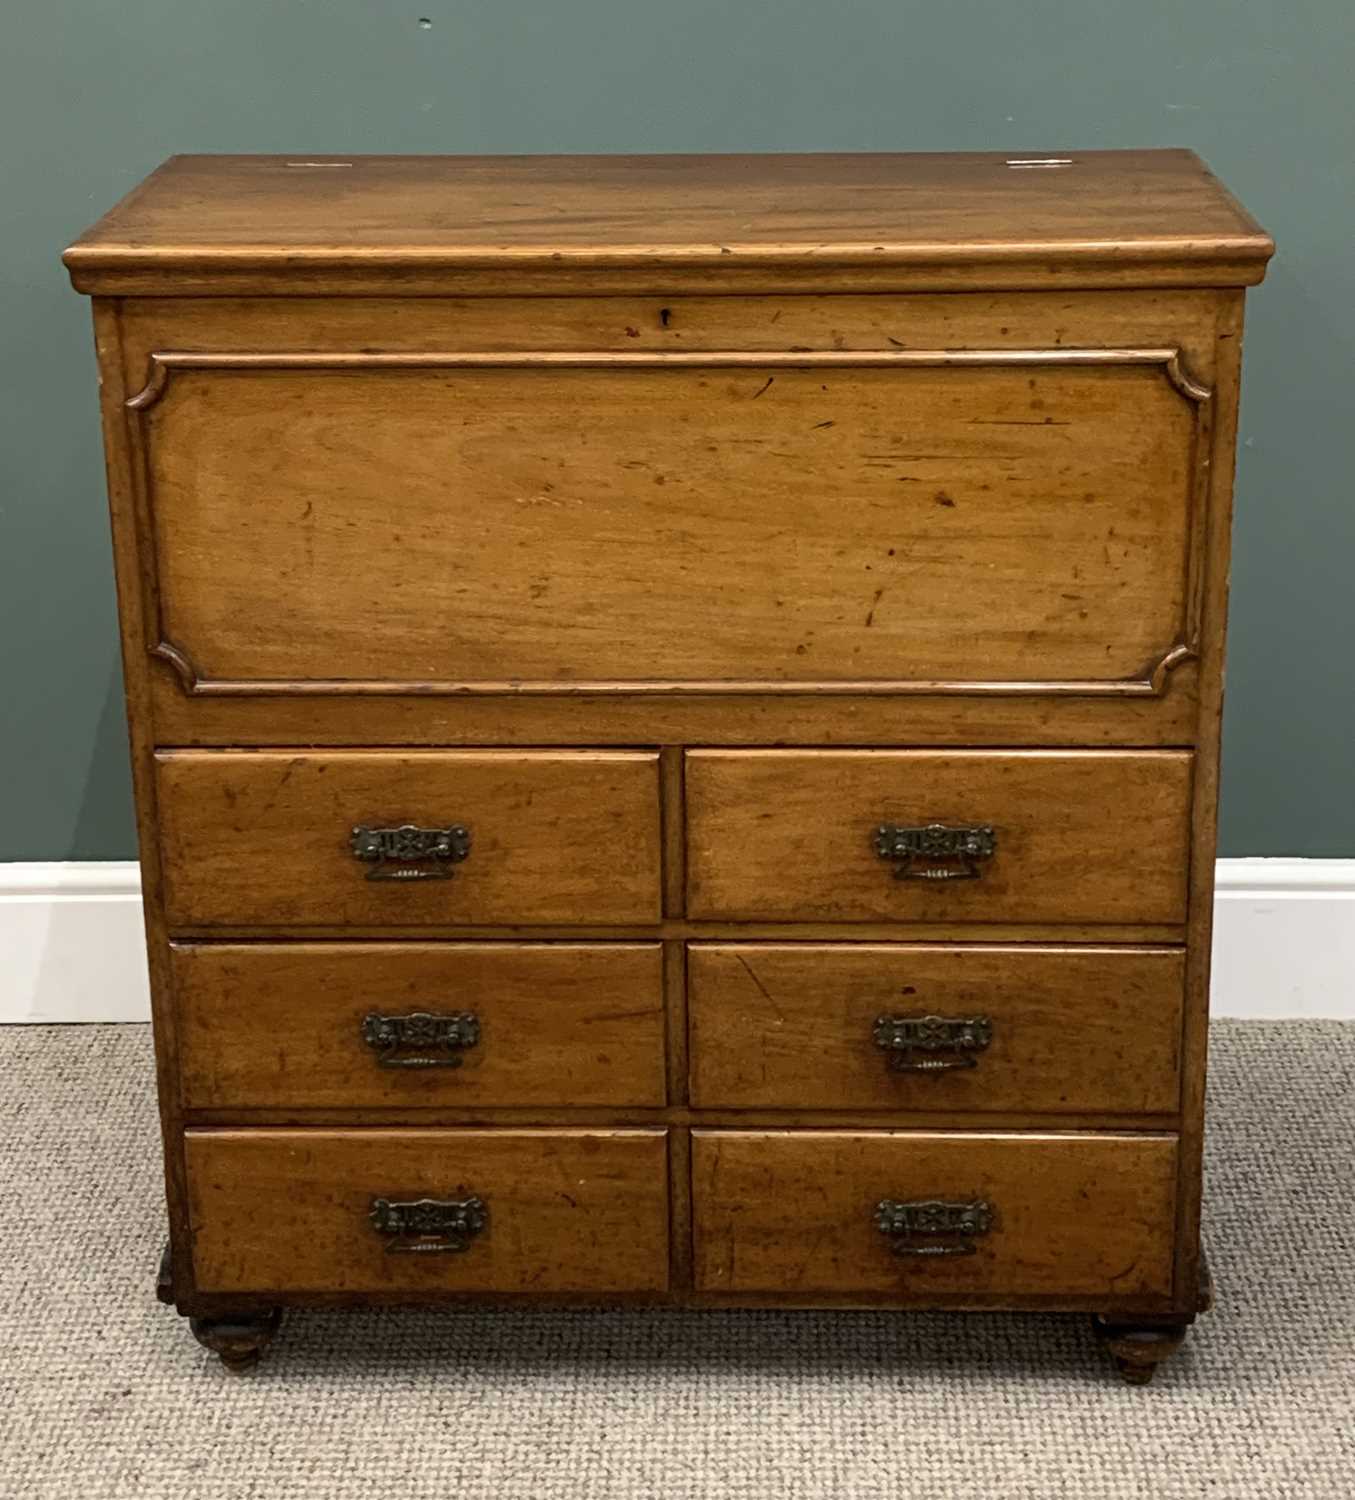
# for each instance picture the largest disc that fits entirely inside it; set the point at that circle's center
(1128, 1270)
(620, 1015)
(765, 388)
(762, 988)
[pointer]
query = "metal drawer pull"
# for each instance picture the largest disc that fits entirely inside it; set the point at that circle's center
(935, 851)
(406, 1041)
(929, 1226)
(429, 1226)
(932, 1044)
(409, 852)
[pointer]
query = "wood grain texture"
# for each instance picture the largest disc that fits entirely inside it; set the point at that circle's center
(274, 1026)
(787, 1026)
(671, 768)
(742, 719)
(217, 222)
(419, 451)
(264, 837)
(676, 1115)
(1190, 1269)
(982, 519)
(569, 1210)
(680, 1210)
(793, 1211)
(1081, 837)
(675, 1018)
(673, 322)
(958, 931)
(133, 625)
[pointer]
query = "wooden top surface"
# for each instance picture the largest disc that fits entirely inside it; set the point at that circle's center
(370, 214)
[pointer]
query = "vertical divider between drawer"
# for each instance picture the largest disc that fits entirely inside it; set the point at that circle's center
(675, 1018)
(674, 842)
(673, 832)
(680, 1246)
(672, 827)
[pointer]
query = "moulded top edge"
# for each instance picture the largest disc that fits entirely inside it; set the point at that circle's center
(200, 217)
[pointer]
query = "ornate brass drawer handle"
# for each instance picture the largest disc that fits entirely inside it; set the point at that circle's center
(429, 1226)
(930, 1226)
(935, 851)
(407, 1041)
(409, 852)
(932, 1044)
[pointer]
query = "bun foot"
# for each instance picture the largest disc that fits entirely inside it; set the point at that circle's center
(239, 1342)
(1136, 1349)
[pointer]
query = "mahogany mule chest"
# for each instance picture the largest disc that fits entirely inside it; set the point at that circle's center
(675, 714)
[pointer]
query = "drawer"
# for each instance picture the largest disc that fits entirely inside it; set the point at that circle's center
(338, 1025)
(493, 1210)
(270, 838)
(1071, 836)
(883, 1026)
(551, 521)
(1023, 1216)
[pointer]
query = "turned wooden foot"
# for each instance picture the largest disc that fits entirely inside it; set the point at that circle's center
(1136, 1349)
(239, 1341)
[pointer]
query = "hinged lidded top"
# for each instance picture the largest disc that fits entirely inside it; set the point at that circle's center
(415, 224)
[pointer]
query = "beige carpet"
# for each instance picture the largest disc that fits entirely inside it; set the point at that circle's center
(105, 1396)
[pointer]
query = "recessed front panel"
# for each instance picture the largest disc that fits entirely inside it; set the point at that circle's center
(551, 521)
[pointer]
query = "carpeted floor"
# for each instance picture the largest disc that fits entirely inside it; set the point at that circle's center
(105, 1396)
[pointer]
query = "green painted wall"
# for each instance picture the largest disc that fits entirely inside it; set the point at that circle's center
(94, 93)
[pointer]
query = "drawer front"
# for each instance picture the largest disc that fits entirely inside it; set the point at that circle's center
(883, 1026)
(1062, 836)
(418, 1025)
(270, 838)
(1025, 1216)
(554, 520)
(509, 1210)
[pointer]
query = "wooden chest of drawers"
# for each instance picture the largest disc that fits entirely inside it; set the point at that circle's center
(675, 710)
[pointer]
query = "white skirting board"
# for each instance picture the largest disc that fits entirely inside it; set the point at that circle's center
(71, 942)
